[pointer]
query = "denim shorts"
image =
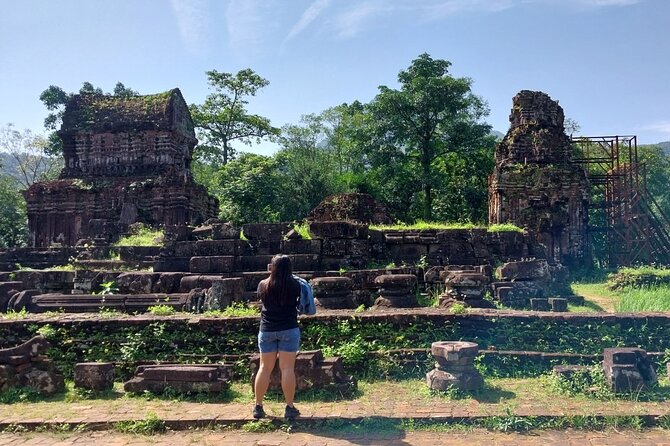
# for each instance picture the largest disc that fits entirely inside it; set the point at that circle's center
(279, 341)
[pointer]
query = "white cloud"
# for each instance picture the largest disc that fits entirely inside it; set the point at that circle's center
(598, 3)
(659, 126)
(243, 23)
(349, 23)
(192, 23)
(307, 17)
(249, 24)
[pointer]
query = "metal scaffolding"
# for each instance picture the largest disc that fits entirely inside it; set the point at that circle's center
(623, 217)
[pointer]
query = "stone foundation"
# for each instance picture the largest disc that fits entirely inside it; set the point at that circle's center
(26, 366)
(312, 371)
(454, 367)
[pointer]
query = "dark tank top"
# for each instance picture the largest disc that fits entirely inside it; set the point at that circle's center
(279, 317)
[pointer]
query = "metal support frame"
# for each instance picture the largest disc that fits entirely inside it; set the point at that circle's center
(634, 227)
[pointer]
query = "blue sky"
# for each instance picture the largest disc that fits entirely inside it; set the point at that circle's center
(606, 61)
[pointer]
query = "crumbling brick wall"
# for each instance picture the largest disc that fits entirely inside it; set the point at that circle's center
(535, 185)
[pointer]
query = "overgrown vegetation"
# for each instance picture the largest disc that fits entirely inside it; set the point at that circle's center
(639, 289)
(427, 225)
(235, 309)
(143, 236)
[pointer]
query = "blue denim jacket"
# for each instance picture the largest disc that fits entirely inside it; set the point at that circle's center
(306, 303)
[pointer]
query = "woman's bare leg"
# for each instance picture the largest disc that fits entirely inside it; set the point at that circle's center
(262, 382)
(287, 367)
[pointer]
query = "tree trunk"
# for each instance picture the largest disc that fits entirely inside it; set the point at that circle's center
(427, 187)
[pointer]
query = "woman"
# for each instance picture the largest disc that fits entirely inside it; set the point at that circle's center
(279, 334)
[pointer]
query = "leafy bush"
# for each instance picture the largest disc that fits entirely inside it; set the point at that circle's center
(142, 237)
(161, 310)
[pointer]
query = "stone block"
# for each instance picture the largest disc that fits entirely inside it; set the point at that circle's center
(335, 247)
(212, 264)
(183, 378)
(223, 292)
(396, 281)
(359, 248)
(266, 231)
(305, 262)
(219, 247)
(333, 292)
(172, 264)
(182, 373)
(136, 282)
(254, 263)
(167, 283)
(524, 270)
(454, 366)
(540, 304)
(140, 385)
(443, 380)
(140, 303)
(411, 252)
(298, 246)
(450, 351)
(628, 370)
(97, 376)
(7, 290)
(44, 382)
(558, 304)
(190, 282)
(184, 249)
(337, 229)
(312, 371)
(138, 253)
(224, 231)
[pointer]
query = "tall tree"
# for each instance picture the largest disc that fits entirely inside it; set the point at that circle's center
(308, 164)
(223, 118)
(13, 219)
(431, 115)
(26, 156)
(250, 190)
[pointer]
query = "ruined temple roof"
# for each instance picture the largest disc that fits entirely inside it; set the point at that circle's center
(105, 113)
(360, 208)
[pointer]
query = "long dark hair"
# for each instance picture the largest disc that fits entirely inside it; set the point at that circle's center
(280, 288)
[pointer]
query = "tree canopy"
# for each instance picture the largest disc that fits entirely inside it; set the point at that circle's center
(431, 116)
(223, 118)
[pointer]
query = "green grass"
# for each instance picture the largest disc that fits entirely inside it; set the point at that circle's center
(68, 267)
(646, 270)
(424, 225)
(143, 237)
(236, 309)
(161, 310)
(654, 299)
(505, 227)
(629, 300)
(303, 230)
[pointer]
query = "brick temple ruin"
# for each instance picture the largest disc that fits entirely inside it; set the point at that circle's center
(535, 184)
(127, 160)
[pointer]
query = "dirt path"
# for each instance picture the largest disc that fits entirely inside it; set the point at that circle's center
(600, 300)
(419, 438)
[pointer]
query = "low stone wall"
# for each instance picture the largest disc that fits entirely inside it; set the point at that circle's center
(339, 245)
(13, 259)
(81, 338)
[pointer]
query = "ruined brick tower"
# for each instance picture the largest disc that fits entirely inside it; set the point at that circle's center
(127, 160)
(535, 185)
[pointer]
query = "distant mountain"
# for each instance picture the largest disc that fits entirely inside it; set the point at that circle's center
(497, 134)
(8, 165)
(665, 146)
